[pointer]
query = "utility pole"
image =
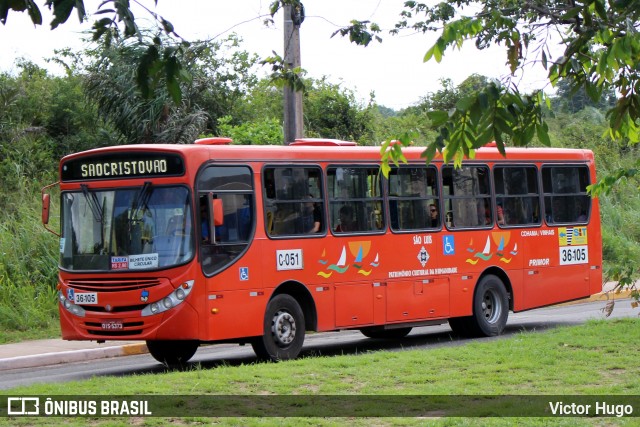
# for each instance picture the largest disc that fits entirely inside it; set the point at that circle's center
(293, 17)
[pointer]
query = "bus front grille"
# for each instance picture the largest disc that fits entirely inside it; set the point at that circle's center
(113, 285)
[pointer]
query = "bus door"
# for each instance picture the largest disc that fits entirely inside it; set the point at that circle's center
(227, 224)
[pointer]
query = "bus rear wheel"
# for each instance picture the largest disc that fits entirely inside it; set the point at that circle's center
(490, 310)
(390, 334)
(284, 330)
(171, 353)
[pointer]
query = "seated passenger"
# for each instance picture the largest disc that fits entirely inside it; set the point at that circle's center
(433, 211)
(347, 222)
(312, 216)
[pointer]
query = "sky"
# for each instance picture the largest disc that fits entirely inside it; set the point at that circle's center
(394, 69)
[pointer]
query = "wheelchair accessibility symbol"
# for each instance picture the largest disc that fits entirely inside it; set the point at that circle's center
(448, 245)
(244, 273)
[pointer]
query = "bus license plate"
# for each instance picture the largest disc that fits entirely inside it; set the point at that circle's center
(112, 325)
(86, 298)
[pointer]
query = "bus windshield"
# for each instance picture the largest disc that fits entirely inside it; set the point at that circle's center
(142, 228)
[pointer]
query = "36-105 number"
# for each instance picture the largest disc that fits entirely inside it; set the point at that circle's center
(574, 255)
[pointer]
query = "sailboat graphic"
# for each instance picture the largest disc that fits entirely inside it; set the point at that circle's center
(375, 262)
(500, 247)
(324, 254)
(358, 260)
(515, 250)
(340, 266)
(470, 248)
(486, 252)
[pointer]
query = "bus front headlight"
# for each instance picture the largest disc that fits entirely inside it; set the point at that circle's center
(173, 299)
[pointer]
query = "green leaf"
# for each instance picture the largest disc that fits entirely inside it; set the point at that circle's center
(464, 104)
(438, 117)
(430, 152)
(542, 132)
(33, 10)
(436, 51)
(571, 13)
(167, 26)
(601, 10)
(61, 11)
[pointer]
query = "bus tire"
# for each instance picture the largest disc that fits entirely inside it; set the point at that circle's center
(171, 353)
(389, 334)
(284, 330)
(490, 310)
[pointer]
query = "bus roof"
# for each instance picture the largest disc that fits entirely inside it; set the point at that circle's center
(342, 153)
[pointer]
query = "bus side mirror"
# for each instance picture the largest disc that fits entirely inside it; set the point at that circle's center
(46, 204)
(218, 212)
(46, 207)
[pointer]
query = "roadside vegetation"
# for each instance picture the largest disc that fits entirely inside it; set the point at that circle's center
(598, 358)
(95, 103)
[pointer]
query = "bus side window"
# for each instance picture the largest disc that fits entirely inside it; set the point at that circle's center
(355, 199)
(413, 198)
(565, 194)
(467, 198)
(517, 195)
(293, 200)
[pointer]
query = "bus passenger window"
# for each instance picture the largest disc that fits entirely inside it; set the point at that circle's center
(517, 195)
(294, 203)
(467, 198)
(355, 199)
(413, 198)
(565, 194)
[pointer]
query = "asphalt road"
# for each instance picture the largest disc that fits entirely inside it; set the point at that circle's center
(322, 344)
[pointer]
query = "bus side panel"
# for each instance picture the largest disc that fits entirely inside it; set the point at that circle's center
(553, 272)
(304, 262)
(354, 304)
(236, 314)
(595, 246)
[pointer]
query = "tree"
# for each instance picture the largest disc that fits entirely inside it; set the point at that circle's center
(219, 75)
(575, 101)
(601, 52)
(331, 111)
(446, 98)
(601, 44)
(117, 23)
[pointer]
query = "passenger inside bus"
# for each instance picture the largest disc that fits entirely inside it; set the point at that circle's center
(204, 221)
(347, 222)
(433, 212)
(312, 216)
(500, 214)
(484, 212)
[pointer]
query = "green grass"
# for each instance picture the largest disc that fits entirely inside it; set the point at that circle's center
(598, 358)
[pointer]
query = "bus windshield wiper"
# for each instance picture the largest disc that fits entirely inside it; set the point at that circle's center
(142, 199)
(94, 203)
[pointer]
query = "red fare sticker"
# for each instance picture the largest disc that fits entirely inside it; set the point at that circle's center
(119, 263)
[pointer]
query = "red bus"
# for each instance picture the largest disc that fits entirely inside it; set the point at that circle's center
(181, 245)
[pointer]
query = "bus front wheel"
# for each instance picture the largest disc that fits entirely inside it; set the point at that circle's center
(490, 310)
(172, 353)
(284, 330)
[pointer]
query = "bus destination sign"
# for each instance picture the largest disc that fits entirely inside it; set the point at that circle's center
(122, 165)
